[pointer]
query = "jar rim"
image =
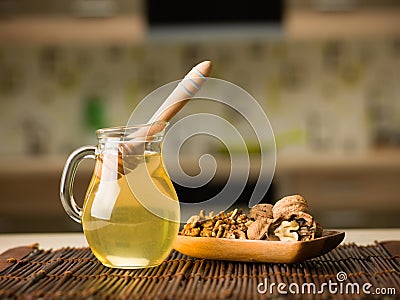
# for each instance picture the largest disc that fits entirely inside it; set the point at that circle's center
(126, 131)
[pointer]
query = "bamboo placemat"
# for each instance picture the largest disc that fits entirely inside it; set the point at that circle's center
(74, 273)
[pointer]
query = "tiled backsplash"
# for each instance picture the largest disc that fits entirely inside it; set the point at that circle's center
(332, 95)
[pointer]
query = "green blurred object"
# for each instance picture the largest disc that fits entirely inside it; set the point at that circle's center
(95, 113)
(290, 137)
(252, 148)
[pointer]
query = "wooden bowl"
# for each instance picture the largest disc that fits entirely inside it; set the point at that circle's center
(257, 251)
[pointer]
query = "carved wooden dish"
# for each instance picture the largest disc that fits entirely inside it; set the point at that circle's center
(258, 251)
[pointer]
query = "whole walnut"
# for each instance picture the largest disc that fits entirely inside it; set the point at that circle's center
(288, 205)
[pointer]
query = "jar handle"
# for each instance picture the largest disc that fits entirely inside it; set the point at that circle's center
(67, 180)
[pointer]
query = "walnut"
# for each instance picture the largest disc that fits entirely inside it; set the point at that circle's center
(206, 232)
(286, 231)
(307, 226)
(193, 219)
(288, 205)
(200, 217)
(190, 231)
(208, 223)
(258, 230)
(233, 213)
(261, 211)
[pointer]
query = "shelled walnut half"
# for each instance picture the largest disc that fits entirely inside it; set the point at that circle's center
(297, 226)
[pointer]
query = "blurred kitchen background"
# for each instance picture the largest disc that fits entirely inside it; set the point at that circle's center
(326, 72)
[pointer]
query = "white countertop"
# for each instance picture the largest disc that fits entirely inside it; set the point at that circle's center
(58, 240)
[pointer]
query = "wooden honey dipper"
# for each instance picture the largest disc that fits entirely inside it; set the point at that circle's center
(184, 91)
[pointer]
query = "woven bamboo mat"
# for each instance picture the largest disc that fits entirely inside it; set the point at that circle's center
(74, 273)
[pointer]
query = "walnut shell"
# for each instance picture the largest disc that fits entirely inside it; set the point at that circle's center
(258, 230)
(288, 205)
(259, 211)
(319, 230)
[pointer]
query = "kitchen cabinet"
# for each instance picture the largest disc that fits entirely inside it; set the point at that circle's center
(77, 22)
(325, 19)
(125, 29)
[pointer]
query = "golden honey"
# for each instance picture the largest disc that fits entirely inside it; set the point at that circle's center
(118, 215)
